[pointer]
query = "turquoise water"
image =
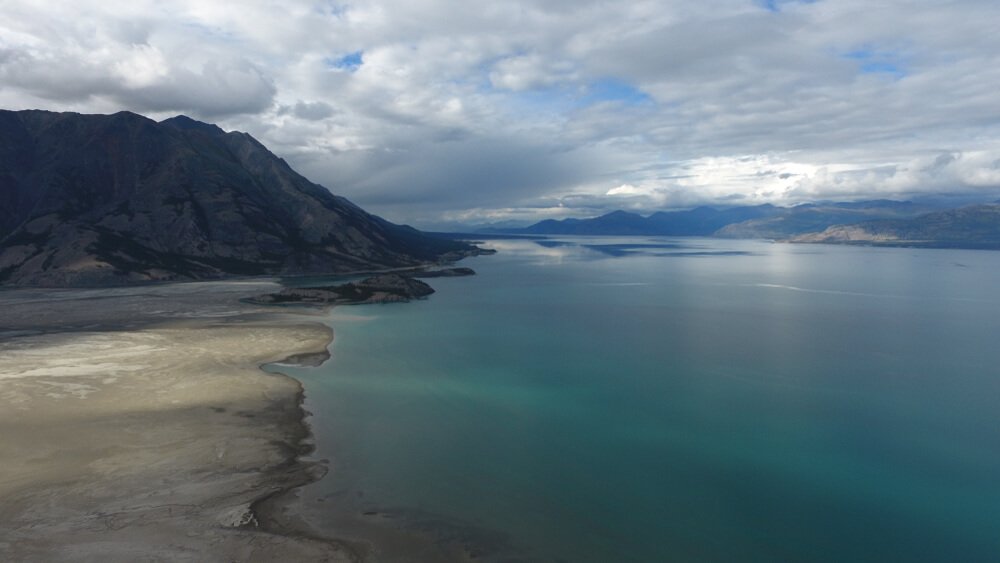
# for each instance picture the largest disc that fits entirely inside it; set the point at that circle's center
(676, 400)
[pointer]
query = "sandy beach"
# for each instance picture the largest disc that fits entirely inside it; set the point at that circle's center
(135, 424)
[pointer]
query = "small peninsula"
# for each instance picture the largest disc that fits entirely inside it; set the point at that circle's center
(386, 288)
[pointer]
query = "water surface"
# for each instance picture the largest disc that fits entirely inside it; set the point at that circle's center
(653, 399)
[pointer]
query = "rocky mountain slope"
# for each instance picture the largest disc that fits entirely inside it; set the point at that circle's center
(976, 226)
(809, 217)
(112, 199)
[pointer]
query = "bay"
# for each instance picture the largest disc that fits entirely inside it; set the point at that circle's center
(654, 399)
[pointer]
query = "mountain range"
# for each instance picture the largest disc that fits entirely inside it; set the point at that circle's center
(701, 221)
(882, 222)
(114, 199)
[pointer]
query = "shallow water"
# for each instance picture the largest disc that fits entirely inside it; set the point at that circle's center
(675, 399)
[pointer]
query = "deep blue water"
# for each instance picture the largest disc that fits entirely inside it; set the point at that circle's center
(677, 400)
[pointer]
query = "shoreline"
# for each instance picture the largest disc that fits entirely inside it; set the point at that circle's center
(282, 513)
(147, 427)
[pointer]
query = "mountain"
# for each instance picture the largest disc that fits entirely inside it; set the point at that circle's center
(616, 222)
(112, 199)
(759, 221)
(705, 221)
(808, 218)
(701, 221)
(975, 226)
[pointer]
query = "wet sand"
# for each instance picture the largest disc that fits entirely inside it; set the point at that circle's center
(135, 424)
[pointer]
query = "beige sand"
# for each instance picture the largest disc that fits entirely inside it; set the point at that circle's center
(135, 425)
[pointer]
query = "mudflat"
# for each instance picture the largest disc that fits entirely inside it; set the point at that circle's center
(135, 424)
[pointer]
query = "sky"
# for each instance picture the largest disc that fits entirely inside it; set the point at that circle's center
(441, 113)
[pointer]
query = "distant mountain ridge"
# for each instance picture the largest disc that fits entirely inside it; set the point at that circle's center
(759, 221)
(874, 222)
(812, 217)
(974, 226)
(107, 199)
(701, 221)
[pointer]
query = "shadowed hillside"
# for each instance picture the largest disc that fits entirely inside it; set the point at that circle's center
(110, 199)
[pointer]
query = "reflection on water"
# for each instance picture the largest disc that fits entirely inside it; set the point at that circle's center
(586, 399)
(619, 250)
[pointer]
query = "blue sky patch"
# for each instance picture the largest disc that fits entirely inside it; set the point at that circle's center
(872, 61)
(613, 90)
(349, 62)
(331, 8)
(775, 5)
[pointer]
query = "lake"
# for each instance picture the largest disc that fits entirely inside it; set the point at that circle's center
(668, 399)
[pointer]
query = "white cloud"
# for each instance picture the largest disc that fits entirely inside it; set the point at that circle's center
(528, 72)
(142, 67)
(466, 109)
(629, 189)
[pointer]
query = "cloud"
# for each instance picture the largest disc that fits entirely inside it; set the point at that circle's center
(217, 89)
(114, 64)
(309, 111)
(530, 72)
(425, 110)
(948, 172)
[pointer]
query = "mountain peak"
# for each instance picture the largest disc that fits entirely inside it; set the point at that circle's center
(185, 123)
(113, 199)
(620, 213)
